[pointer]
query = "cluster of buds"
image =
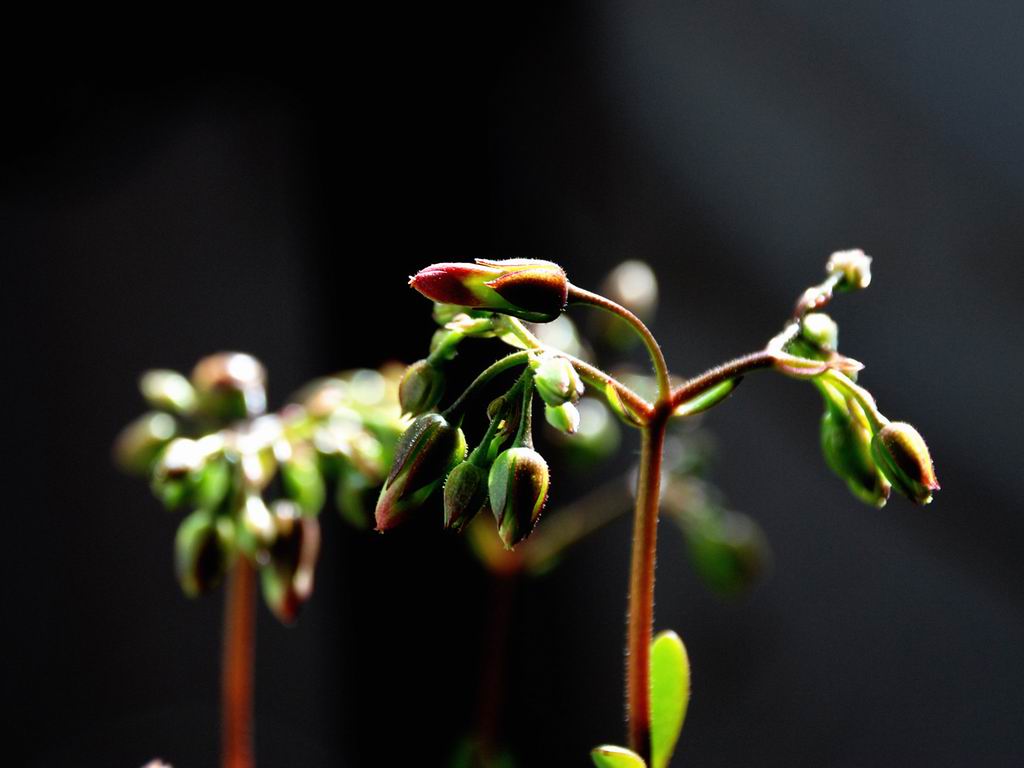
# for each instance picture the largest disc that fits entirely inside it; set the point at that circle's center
(209, 446)
(861, 445)
(503, 472)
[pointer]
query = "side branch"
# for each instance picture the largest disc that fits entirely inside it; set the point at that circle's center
(731, 370)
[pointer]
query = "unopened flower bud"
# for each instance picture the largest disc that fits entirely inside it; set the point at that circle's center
(230, 386)
(902, 456)
(820, 330)
(556, 380)
(140, 443)
(529, 289)
(518, 489)
(303, 481)
(565, 418)
(287, 579)
(421, 388)
(425, 453)
(256, 528)
(203, 548)
(855, 267)
(177, 470)
(846, 445)
(168, 391)
(465, 494)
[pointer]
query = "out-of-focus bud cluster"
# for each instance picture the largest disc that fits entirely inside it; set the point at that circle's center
(209, 446)
(727, 549)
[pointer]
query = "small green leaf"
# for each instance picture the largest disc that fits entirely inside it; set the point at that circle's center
(712, 397)
(609, 756)
(670, 694)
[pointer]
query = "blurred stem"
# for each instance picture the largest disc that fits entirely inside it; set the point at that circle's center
(237, 667)
(641, 583)
(582, 296)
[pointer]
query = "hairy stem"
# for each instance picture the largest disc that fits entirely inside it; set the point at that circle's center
(237, 667)
(730, 370)
(582, 296)
(641, 585)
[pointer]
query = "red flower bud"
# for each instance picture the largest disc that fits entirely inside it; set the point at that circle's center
(529, 289)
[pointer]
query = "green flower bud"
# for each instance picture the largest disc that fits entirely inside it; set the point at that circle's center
(425, 453)
(564, 417)
(177, 471)
(529, 289)
(287, 578)
(846, 444)
(203, 550)
(256, 527)
(465, 494)
(230, 386)
(854, 266)
(421, 388)
(302, 480)
(902, 456)
(556, 380)
(518, 489)
(139, 444)
(168, 391)
(820, 330)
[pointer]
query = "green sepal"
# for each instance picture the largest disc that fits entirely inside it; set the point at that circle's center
(610, 756)
(670, 695)
(708, 399)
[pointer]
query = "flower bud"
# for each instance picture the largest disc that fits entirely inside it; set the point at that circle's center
(256, 528)
(529, 289)
(140, 443)
(854, 266)
(465, 494)
(177, 471)
(518, 488)
(287, 579)
(846, 445)
(302, 480)
(168, 391)
(820, 330)
(425, 453)
(421, 388)
(230, 386)
(565, 418)
(556, 380)
(203, 548)
(902, 456)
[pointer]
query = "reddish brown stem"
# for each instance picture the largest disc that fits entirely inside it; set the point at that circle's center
(641, 585)
(237, 667)
(492, 677)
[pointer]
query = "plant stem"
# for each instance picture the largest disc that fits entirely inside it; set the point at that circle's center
(730, 370)
(579, 295)
(641, 584)
(499, 366)
(492, 675)
(237, 667)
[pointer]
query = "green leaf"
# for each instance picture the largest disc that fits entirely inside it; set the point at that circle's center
(712, 397)
(615, 403)
(609, 756)
(670, 694)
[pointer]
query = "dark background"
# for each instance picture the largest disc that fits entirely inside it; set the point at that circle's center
(163, 207)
